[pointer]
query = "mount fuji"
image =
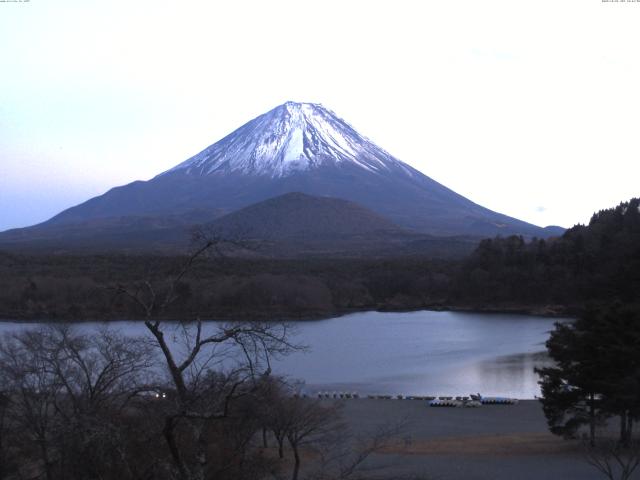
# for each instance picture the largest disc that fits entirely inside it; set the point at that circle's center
(296, 147)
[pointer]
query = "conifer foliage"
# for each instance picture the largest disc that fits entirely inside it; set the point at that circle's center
(597, 372)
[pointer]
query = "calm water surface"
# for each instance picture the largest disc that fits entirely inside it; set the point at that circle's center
(414, 353)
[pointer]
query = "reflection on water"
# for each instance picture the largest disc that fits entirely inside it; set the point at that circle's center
(411, 353)
(511, 376)
(423, 353)
(514, 371)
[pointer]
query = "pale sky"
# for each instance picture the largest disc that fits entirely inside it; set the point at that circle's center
(530, 108)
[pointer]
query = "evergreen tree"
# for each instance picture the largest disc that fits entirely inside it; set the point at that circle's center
(597, 372)
(570, 393)
(618, 330)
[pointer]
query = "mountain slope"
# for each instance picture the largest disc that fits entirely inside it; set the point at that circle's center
(300, 215)
(297, 147)
(301, 225)
(289, 226)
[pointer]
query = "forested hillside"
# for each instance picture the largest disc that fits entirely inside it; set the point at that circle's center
(599, 261)
(85, 287)
(592, 263)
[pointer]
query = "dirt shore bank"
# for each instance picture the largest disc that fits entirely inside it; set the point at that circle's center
(491, 442)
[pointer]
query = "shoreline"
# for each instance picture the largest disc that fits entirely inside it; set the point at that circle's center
(497, 442)
(545, 311)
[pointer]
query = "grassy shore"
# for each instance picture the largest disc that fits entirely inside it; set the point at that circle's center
(487, 443)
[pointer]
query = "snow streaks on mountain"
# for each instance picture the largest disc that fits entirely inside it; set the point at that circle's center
(291, 137)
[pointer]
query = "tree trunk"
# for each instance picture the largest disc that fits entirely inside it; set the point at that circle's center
(45, 459)
(175, 372)
(623, 429)
(296, 465)
(592, 421)
(201, 453)
(167, 431)
(264, 438)
(280, 447)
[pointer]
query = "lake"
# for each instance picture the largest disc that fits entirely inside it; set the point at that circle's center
(409, 353)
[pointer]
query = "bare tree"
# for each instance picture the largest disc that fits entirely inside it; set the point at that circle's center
(6, 465)
(190, 350)
(33, 391)
(272, 411)
(308, 423)
(104, 370)
(344, 456)
(245, 347)
(64, 393)
(100, 375)
(77, 397)
(614, 460)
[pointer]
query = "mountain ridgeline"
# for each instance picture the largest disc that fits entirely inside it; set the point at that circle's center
(296, 147)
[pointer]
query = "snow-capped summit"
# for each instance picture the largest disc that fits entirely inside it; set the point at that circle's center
(291, 137)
